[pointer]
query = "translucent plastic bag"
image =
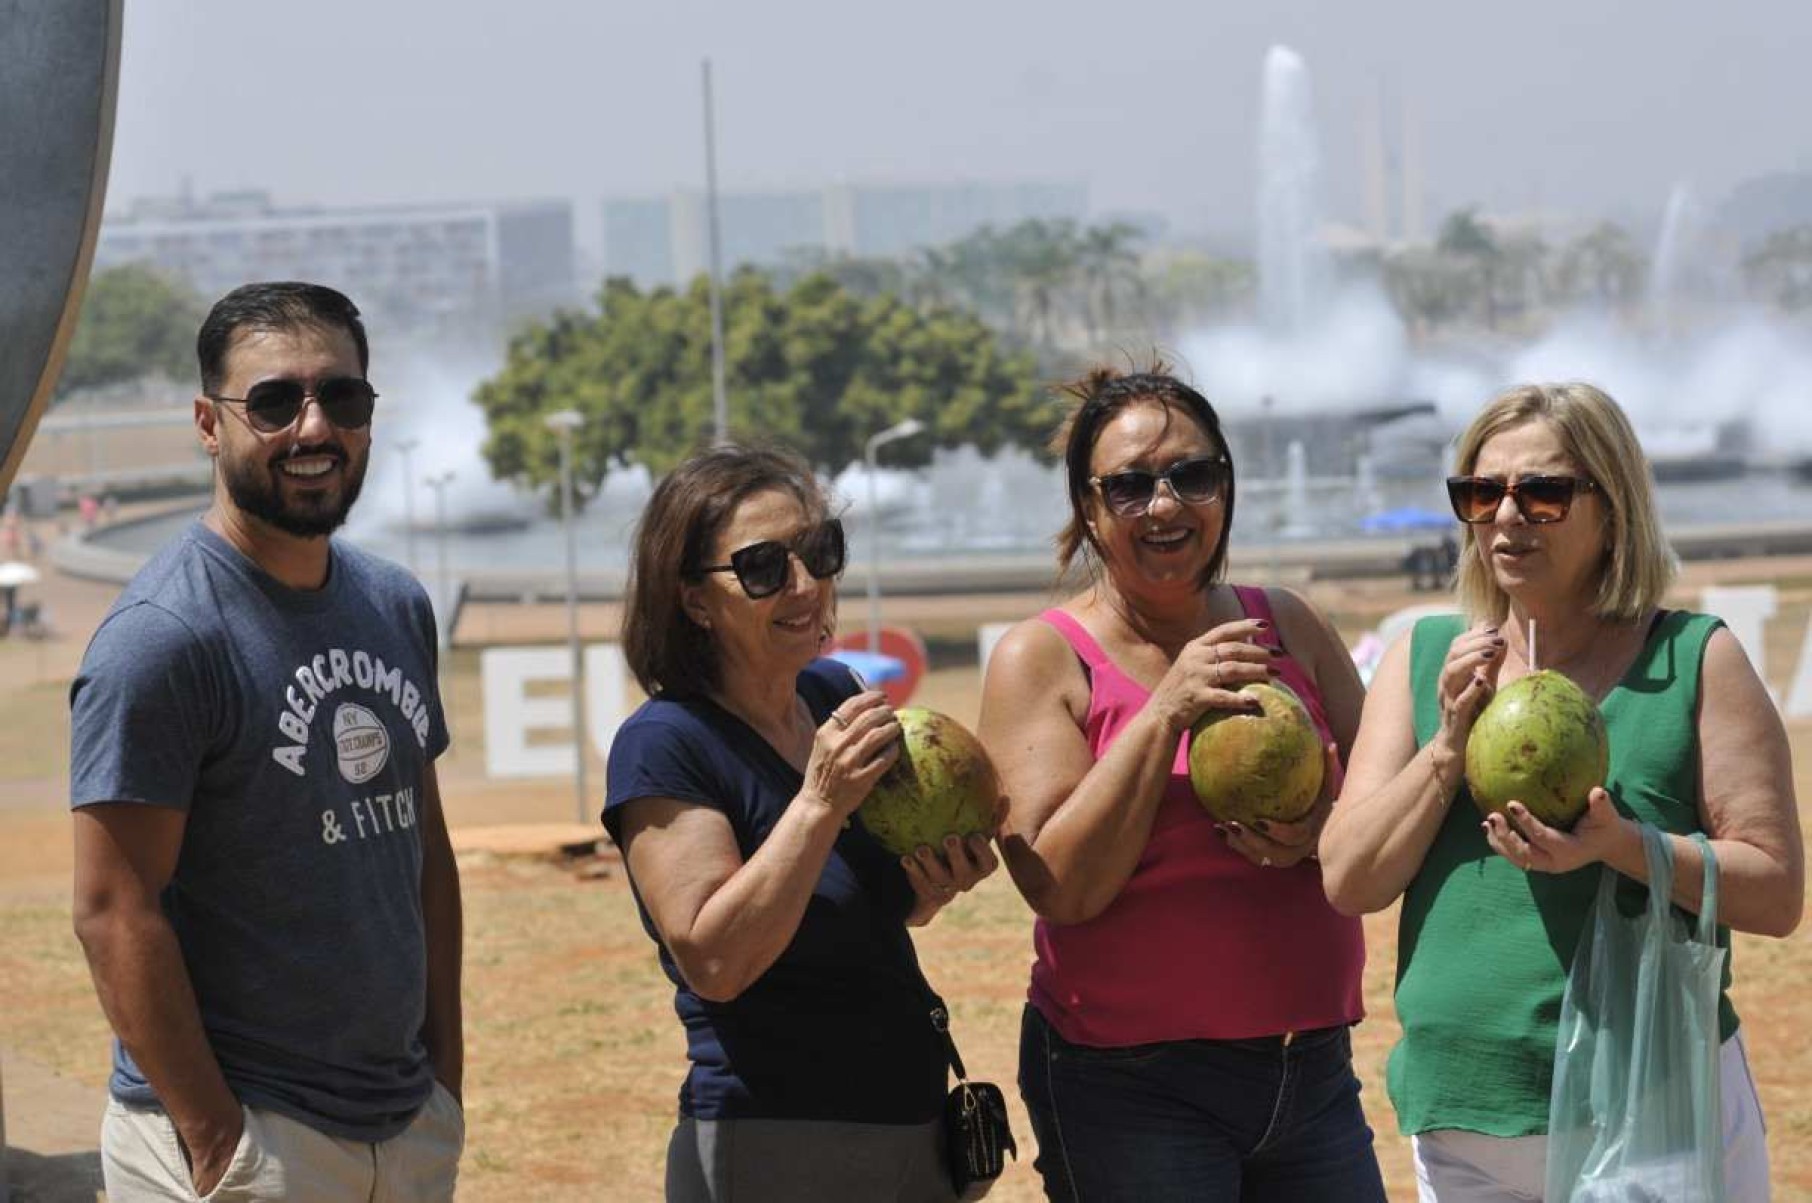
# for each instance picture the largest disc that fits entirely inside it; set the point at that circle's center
(1636, 1113)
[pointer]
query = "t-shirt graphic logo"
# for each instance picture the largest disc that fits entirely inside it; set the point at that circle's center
(361, 744)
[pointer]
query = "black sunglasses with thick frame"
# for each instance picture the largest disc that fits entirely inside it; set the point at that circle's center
(762, 568)
(1539, 499)
(272, 406)
(1195, 481)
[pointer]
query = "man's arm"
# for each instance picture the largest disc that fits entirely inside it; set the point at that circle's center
(124, 856)
(444, 1033)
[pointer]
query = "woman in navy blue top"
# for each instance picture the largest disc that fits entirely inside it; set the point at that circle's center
(815, 1073)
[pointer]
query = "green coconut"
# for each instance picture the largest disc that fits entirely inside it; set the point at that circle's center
(1246, 767)
(943, 784)
(1540, 741)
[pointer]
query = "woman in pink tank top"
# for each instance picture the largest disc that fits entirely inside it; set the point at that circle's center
(1187, 1029)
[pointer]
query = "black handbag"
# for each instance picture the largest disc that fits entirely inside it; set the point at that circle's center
(977, 1136)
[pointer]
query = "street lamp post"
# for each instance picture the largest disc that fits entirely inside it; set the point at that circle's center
(900, 430)
(1274, 528)
(720, 406)
(403, 448)
(564, 423)
(443, 594)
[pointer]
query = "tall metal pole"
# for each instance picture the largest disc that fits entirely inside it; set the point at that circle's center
(565, 422)
(443, 594)
(403, 448)
(720, 406)
(874, 549)
(870, 450)
(1274, 526)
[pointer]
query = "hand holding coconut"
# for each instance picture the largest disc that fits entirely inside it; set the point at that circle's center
(1520, 837)
(852, 749)
(936, 808)
(1209, 673)
(1536, 757)
(1468, 680)
(1278, 843)
(938, 875)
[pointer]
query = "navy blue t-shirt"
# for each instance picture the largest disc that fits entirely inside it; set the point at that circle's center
(838, 1027)
(296, 730)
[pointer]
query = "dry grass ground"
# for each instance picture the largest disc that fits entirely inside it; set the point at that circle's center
(574, 1056)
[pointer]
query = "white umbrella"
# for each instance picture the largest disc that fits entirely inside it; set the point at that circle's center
(14, 573)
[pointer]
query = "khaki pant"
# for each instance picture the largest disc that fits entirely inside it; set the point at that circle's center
(279, 1158)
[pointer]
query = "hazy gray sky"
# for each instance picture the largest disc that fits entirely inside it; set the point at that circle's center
(1572, 105)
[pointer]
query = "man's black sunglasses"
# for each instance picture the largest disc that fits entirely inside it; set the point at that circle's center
(1540, 499)
(272, 406)
(762, 568)
(1195, 481)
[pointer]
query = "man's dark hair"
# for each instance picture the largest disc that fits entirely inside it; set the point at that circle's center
(275, 305)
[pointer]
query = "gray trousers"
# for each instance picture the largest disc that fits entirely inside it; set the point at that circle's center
(805, 1161)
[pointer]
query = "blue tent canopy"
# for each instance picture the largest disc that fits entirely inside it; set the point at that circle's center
(1406, 519)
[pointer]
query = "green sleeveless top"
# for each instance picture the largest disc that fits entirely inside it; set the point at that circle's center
(1483, 948)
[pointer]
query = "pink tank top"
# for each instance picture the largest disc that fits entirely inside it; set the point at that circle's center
(1200, 943)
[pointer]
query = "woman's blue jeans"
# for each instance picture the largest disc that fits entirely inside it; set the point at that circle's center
(1256, 1121)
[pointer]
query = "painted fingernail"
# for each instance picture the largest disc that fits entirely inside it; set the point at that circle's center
(952, 842)
(1489, 653)
(905, 862)
(1220, 829)
(1263, 625)
(1235, 828)
(1263, 827)
(1276, 651)
(925, 854)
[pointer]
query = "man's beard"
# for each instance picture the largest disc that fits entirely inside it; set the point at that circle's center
(254, 486)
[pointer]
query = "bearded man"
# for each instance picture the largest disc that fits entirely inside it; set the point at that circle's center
(264, 887)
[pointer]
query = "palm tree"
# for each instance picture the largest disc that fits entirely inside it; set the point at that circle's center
(1042, 258)
(1602, 265)
(1109, 265)
(1428, 287)
(1781, 268)
(1467, 240)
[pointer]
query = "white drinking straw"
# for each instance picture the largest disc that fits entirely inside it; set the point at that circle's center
(1531, 645)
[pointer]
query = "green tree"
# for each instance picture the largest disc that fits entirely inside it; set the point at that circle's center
(1780, 270)
(1602, 265)
(815, 367)
(1107, 259)
(135, 322)
(1468, 241)
(1190, 289)
(1522, 274)
(1427, 287)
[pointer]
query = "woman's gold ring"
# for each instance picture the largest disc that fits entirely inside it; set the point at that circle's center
(841, 721)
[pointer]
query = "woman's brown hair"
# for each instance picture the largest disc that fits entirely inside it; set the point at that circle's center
(670, 654)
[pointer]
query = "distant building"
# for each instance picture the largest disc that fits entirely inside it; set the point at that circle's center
(666, 240)
(1766, 205)
(408, 267)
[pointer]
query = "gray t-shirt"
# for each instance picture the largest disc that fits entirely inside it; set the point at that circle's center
(295, 728)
